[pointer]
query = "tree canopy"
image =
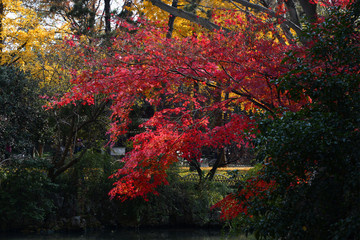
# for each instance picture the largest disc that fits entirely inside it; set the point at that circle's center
(202, 86)
(278, 77)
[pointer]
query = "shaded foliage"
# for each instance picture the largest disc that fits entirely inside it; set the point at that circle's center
(26, 195)
(23, 122)
(312, 155)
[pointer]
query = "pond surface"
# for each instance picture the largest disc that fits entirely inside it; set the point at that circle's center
(157, 234)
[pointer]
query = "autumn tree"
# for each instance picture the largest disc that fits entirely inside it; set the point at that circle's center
(22, 35)
(185, 16)
(309, 186)
(185, 121)
(214, 11)
(230, 16)
(233, 76)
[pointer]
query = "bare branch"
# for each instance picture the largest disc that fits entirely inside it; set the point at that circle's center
(271, 13)
(212, 26)
(189, 16)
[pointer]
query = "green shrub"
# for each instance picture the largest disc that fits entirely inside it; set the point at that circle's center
(25, 195)
(84, 189)
(179, 203)
(312, 156)
(23, 121)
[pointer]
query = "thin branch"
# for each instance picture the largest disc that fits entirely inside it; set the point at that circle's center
(67, 166)
(189, 16)
(271, 13)
(248, 96)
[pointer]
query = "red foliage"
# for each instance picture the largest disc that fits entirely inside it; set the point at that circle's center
(235, 204)
(191, 82)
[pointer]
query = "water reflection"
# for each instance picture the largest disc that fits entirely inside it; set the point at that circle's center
(173, 234)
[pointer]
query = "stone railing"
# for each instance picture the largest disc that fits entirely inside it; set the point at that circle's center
(229, 180)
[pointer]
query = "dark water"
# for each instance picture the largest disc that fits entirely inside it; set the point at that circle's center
(173, 234)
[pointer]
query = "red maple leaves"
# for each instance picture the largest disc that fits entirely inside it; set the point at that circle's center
(204, 89)
(238, 203)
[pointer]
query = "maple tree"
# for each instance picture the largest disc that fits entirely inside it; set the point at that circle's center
(206, 89)
(185, 121)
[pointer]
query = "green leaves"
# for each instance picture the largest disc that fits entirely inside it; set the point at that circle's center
(26, 193)
(22, 121)
(312, 154)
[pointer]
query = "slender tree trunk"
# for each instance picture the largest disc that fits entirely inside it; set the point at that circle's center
(171, 20)
(107, 17)
(221, 152)
(1, 31)
(220, 161)
(195, 165)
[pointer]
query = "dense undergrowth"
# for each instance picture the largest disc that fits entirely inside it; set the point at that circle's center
(79, 200)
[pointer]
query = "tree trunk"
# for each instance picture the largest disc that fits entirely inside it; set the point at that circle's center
(189, 16)
(220, 161)
(309, 9)
(195, 165)
(218, 121)
(171, 20)
(107, 17)
(1, 30)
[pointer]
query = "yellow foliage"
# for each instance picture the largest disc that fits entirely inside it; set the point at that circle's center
(221, 12)
(224, 13)
(26, 41)
(182, 27)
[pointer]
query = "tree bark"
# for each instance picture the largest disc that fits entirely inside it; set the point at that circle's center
(309, 9)
(220, 162)
(1, 30)
(171, 20)
(107, 17)
(211, 26)
(290, 5)
(194, 164)
(189, 16)
(271, 13)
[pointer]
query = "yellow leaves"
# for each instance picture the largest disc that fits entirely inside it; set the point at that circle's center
(228, 14)
(217, 11)
(21, 33)
(27, 41)
(151, 12)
